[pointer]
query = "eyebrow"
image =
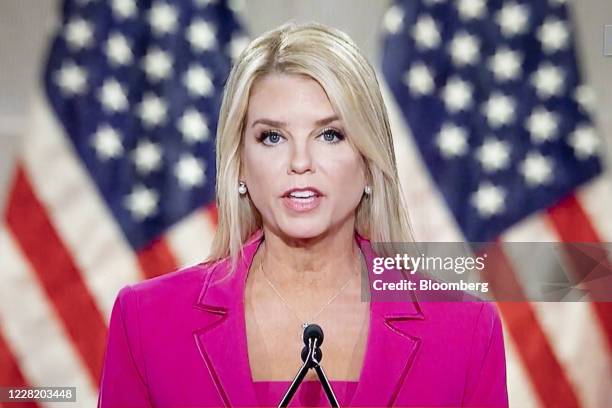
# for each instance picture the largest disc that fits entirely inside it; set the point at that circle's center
(275, 123)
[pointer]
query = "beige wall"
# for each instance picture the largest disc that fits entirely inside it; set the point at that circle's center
(24, 25)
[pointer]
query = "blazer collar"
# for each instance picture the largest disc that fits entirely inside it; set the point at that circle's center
(221, 340)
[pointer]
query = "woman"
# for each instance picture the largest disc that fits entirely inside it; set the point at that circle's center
(306, 179)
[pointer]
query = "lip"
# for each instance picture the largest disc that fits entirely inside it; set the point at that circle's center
(307, 188)
(302, 205)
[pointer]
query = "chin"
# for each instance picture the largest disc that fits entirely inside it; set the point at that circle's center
(303, 229)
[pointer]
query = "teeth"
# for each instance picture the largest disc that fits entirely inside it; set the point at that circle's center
(302, 194)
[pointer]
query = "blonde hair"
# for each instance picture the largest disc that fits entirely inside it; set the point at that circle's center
(331, 58)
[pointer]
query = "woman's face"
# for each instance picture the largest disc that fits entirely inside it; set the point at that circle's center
(293, 139)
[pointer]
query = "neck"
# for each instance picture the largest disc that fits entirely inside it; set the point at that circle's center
(317, 263)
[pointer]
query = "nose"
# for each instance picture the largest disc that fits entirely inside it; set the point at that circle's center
(301, 158)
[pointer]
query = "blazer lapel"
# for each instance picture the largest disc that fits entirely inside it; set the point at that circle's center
(221, 338)
(221, 341)
(391, 348)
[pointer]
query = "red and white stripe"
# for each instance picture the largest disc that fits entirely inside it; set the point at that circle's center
(573, 329)
(76, 210)
(34, 331)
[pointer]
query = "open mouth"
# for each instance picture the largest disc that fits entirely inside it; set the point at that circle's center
(302, 201)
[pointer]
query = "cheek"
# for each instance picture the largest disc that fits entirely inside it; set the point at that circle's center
(261, 174)
(346, 171)
(254, 165)
(262, 161)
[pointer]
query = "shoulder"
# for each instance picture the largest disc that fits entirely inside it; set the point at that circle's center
(182, 286)
(461, 310)
(464, 322)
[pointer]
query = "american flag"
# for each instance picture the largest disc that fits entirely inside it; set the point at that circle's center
(116, 176)
(492, 123)
(116, 179)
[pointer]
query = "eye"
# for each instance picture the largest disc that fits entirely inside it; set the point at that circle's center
(332, 136)
(273, 136)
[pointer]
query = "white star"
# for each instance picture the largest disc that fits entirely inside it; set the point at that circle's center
(201, 35)
(71, 78)
(557, 2)
(506, 64)
(553, 34)
(471, 9)
(586, 98)
(157, 64)
(107, 143)
(124, 8)
(198, 81)
(112, 96)
(584, 141)
(489, 199)
(457, 95)
(419, 79)
(78, 34)
(147, 157)
(499, 110)
(512, 19)
(393, 20)
(163, 18)
(493, 155)
(464, 49)
(152, 110)
(542, 125)
(426, 33)
(236, 45)
(189, 171)
(548, 80)
(452, 141)
(536, 169)
(142, 202)
(118, 49)
(193, 126)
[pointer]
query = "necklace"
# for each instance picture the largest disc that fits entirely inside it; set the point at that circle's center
(305, 322)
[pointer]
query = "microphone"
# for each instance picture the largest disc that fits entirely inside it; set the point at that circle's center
(317, 355)
(311, 356)
(313, 331)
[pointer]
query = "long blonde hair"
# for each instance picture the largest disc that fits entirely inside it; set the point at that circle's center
(331, 58)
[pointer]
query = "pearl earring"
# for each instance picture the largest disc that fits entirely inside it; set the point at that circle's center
(242, 188)
(368, 190)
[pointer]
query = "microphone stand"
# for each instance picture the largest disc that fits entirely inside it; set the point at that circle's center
(311, 360)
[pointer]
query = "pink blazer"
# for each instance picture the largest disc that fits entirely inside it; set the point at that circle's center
(178, 340)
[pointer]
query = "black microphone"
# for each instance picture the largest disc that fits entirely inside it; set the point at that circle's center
(317, 356)
(311, 356)
(314, 332)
